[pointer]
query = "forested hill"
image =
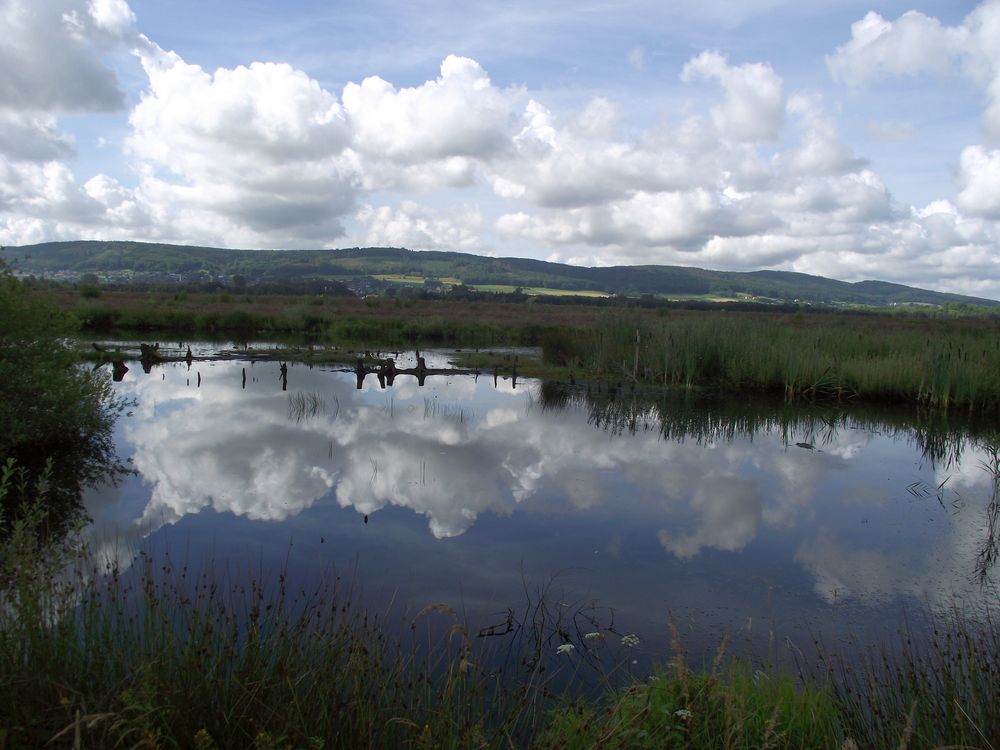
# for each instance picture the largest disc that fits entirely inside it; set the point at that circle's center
(137, 260)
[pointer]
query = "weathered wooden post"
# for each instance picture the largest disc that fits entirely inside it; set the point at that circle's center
(359, 371)
(635, 366)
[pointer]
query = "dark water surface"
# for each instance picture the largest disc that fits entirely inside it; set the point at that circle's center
(769, 524)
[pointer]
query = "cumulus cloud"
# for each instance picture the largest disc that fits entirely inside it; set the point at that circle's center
(673, 194)
(28, 137)
(459, 114)
(912, 44)
(50, 55)
(261, 154)
(580, 162)
(754, 107)
(420, 228)
(112, 16)
(915, 43)
(821, 151)
(979, 182)
(255, 151)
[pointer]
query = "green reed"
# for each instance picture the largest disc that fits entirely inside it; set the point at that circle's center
(729, 705)
(936, 689)
(946, 363)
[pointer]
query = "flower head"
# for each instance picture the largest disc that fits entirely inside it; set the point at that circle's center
(631, 640)
(595, 636)
(566, 648)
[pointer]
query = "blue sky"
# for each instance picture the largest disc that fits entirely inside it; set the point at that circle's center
(851, 139)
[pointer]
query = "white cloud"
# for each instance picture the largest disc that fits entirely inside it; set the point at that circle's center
(50, 55)
(821, 150)
(459, 114)
(915, 44)
(581, 163)
(979, 182)
(912, 44)
(754, 108)
(28, 137)
(420, 228)
(113, 16)
(264, 111)
(254, 153)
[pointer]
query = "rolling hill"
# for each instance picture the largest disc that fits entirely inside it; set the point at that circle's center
(135, 261)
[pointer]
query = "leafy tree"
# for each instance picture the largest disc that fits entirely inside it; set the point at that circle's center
(90, 286)
(51, 409)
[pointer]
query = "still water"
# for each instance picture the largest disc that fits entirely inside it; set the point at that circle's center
(770, 524)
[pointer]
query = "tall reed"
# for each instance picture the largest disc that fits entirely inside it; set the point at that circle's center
(945, 364)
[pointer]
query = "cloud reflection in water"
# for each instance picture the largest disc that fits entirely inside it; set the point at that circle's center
(458, 449)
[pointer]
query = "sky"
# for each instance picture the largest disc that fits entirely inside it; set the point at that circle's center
(851, 139)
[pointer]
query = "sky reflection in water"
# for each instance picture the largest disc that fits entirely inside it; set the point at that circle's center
(472, 491)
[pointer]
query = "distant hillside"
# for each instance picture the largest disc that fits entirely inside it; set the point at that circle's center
(138, 260)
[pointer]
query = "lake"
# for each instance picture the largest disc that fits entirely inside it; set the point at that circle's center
(775, 525)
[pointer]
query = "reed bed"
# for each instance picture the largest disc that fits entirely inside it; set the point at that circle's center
(943, 364)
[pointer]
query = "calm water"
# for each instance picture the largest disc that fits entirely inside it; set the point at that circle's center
(733, 519)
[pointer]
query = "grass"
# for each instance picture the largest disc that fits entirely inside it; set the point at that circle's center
(399, 278)
(728, 705)
(937, 691)
(937, 363)
(541, 291)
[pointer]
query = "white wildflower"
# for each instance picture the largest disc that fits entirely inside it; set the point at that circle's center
(595, 636)
(683, 714)
(566, 648)
(631, 640)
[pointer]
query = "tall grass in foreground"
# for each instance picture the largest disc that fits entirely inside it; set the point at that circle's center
(943, 690)
(159, 657)
(728, 705)
(938, 363)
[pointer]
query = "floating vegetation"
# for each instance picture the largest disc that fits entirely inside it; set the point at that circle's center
(434, 409)
(306, 406)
